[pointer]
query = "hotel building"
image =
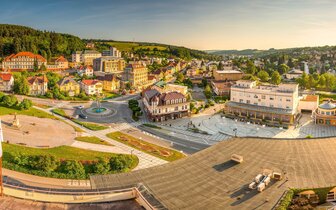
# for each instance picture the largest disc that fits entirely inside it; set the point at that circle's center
(23, 61)
(109, 64)
(137, 75)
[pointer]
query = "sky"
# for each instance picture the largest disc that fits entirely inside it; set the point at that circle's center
(198, 24)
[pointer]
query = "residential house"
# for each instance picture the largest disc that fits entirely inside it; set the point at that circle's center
(294, 74)
(110, 82)
(164, 106)
(23, 61)
(59, 63)
(85, 70)
(69, 85)
(92, 87)
(6, 81)
(38, 85)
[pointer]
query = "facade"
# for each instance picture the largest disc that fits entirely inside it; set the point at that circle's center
(59, 63)
(164, 106)
(114, 52)
(85, 70)
(293, 74)
(92, 87)
(110, 82)
(38, 85)
(275, 105)
(23, 61)
(308, 103)
(86, 57)
(109, 64)
(137, 75)
(326, 113)
(6, 82)
(69, 85)
(227, 75)
(221, 88)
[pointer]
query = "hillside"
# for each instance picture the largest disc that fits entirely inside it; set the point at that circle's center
(14, 38)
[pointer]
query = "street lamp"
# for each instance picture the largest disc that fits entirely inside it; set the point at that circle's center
(235, 130)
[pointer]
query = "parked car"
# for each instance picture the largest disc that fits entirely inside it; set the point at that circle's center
(82, 116)
(80, 107)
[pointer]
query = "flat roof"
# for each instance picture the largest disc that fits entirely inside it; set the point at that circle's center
(210, 180)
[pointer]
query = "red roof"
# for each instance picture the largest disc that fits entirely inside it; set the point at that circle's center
(89, 82)
(40, 79)
(6, 76)
(26, 54)
(61, 59)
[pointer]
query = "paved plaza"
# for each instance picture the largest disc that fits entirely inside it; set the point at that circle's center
(37, 132)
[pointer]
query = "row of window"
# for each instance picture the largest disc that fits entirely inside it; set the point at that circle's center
(262, 104)
(272, 98)
(168, 110)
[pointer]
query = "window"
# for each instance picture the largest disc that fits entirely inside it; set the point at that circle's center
(176, 108)
(248, 101)
(241, 100)
(255, 96)
(271, 105)
(263, 97)
(271, 98)
(288, 99)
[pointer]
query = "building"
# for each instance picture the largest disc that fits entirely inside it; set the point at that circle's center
(109, 64)
(293, 74)
(274, 105)
(23, 61)
(227, 75)
(69, 85)
(308, 103)
(164, 106)
(92, 87)
(114, 52)
(110, 82)
(59, 63)
(221, 88)
(85, 70)
(86, 57)
(137, 75)
(164, 87)
(326, 113)
(6, 82)
(38, 85)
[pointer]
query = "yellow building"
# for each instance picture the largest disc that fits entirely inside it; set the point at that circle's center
(137, 75)
(69, 85)
(110, 82)
(109, 64)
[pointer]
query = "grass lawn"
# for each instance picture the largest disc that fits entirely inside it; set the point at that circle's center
(152, 149)
(93, 140)
(43, 106)
(61, 152)
(31, 112)
(91, 126)
(109, 95)
(60, 112)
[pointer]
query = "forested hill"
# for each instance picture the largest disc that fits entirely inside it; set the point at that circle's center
(15, 38)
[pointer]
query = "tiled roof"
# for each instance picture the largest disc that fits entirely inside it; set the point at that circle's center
(89, 82)
(26, 54)
(155, 95)
(66, 80)
(107, 77)
(40, 79)
(61, 59)
(310, 98)
(6, 76)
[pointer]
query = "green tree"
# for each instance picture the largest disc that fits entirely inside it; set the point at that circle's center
(180, 77)
(9, 100)
(250, 67)
(74, 168)
(263, 76)
(102, 167)
(283, 69)
(36, 67)
(275, 78)
(207, 91)
(43, 67)
(25, 104)
(21, 85)
(47, 163)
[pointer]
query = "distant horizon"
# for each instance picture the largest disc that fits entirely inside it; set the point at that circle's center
(196, 24)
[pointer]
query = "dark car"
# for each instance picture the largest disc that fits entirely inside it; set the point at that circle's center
(82, 116)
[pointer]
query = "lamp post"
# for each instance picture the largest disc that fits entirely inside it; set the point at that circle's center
(235, 130)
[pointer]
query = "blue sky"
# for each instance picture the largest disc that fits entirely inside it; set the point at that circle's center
(200, 24)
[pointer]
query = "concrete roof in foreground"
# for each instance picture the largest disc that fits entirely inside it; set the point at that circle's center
(209, 180)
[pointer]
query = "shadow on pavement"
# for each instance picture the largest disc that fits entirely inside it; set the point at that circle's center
(223, 166)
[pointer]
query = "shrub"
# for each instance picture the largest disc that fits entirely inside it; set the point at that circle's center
(101, 167)
(73, 168)
(47, 163)
(120, 163)
(25, 104)
(9, 100)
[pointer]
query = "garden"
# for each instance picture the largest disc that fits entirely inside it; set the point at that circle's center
(65, 162)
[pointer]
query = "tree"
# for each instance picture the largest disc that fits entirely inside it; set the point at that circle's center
(21, 85)
(120, 162)
(180, 77)
(25, 104)
(47, 163)
(220, 65)
(36, 67)
(263, 76)
(283, 69)
(207, 91)
(250, 67)
(101, 167)
(74, 168)
(9, 100)
(43, 67)
(275, 78)
(290, 63)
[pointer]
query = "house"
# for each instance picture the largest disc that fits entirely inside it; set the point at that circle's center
(23, 61)
(6, 82)
(85, 70)
(164, 106)
(221, 88)
(59, 63)
(293, 74)
(69, 85)
(38, 85)
(273, 104)
(110, 82)
(92, 87)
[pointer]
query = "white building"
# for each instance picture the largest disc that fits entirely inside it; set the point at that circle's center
(92, 87)
(112, 52)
